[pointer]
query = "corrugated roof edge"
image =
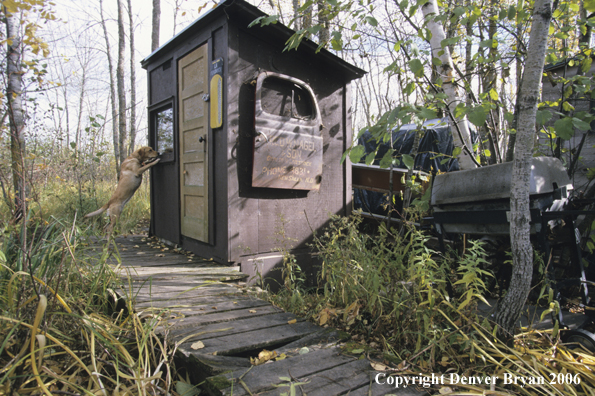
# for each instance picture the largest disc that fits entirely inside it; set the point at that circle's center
(282, 29)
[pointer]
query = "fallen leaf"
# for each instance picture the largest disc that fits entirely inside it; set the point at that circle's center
(140, 252)
(214, 307)
(283, 356)
(378, 366)
(263, 357)
(136, 246)
(322, 319)
(304, 350)
(160, 255)
(235, 302)
(197, 345)
(292, 321)
(252, 311)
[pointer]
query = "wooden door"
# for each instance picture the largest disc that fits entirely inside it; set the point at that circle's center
(194, 186)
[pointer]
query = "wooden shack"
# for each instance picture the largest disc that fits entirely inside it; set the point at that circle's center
(251, 139)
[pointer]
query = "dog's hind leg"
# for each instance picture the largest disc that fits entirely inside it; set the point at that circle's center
(114, 215)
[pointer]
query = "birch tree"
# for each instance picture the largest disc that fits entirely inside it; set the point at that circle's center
(445, 70)
(14, 73)
(511, 307)
(132, 81)
(120, 84)
(112, 90)
(155, 22)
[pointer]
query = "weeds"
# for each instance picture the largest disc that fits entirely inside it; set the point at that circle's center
(57, 330)
(392, 292)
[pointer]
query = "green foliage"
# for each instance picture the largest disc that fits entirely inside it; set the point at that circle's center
(396, 289)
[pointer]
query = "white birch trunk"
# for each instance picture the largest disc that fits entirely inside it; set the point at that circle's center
(445, 71)
(155, 25)
(14, 58)
(512, 305)
(132, 82)
(112, 86)
(120, 83)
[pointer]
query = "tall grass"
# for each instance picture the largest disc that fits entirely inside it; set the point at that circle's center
(59, 333)
(393, 293)
(69, 201)
(58, 329)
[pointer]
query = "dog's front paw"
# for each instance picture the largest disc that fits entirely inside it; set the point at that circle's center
(153, 161)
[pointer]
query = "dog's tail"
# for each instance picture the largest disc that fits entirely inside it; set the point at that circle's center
(98, 211)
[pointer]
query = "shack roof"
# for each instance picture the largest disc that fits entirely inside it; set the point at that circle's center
(243, 13)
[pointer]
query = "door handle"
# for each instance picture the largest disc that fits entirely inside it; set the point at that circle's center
(202, 139)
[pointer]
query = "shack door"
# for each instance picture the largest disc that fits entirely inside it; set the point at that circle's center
(193, 85)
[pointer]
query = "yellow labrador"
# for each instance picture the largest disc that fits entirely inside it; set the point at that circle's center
(131, 173)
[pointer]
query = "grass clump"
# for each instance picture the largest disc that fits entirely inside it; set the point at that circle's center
(59, 333)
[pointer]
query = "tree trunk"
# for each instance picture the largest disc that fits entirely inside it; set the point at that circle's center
(468, 53)
(120, 83)
(155, 28)
(519, 78)
(132, 83)
(112, 86)
(324, 35)
(490, 82)
(14, 58)
(511, 307)
(297, 25)
(445, 72)
(584, 33)
(79, 123)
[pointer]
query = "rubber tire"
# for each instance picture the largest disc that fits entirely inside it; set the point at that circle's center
(573, 338)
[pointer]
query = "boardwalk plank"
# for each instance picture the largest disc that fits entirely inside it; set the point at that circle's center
(184, 294)
(218, 302)
(202, 332)
(178, 321)
(263, 378)
(336, 381)
(253, 340)
(209, 365)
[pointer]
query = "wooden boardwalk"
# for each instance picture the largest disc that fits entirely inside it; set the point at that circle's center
(219, 324)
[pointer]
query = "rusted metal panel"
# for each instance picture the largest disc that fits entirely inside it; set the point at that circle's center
(288, 142)
(375, 178)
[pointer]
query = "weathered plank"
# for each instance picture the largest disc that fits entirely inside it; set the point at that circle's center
(209, 365)
(178, 282)
(203, 332)
(165, 272)
(320, 338)
(207, 318)
(336, 381)
(253, 340)
(208, 303)
(156, 294)
(263, 378)
(154, 301)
